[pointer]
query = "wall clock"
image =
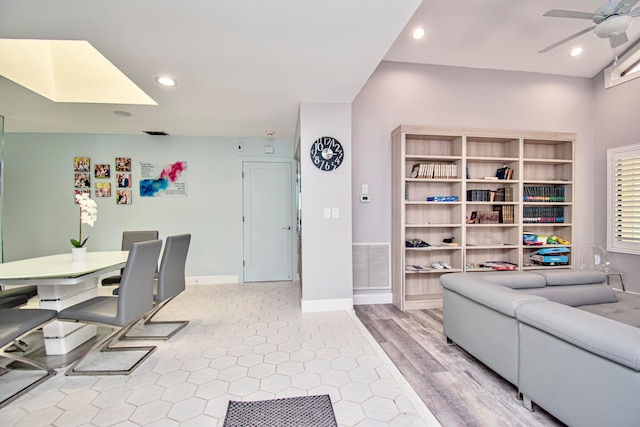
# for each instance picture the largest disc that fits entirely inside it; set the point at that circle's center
(327, 153)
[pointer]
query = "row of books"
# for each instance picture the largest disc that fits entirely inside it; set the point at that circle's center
(506, 214)
(434, 170)
(543, 194)
(542, 214)
(499, 195)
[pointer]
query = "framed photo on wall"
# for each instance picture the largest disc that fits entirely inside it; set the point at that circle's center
(82, 164)
(123, 197)
(123, 164)
(103, 189)
(82, 180)
(102, 170)
(123, 180)
(80, 192)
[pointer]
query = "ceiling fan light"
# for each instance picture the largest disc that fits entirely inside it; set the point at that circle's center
(613, 26)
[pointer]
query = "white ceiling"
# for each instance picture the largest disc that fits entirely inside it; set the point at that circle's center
(243, 66)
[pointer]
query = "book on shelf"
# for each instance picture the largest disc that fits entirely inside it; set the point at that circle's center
(442, 199)
(434, 170)
(504, 172)
(500, 265)
(543, 193)
(506, 213)
(504, 194)
(481, 195)
(543, 214)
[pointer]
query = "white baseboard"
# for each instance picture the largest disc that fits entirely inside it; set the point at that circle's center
(327, 305)
(211, 280)
(365, 299)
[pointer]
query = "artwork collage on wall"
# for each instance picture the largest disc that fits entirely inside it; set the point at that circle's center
(102, 174)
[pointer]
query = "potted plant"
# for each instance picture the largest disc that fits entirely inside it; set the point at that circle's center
(88, 215)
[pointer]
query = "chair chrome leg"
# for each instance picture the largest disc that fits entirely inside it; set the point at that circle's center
(48, 373)
(18, 345)
(149, 321)
(105, 345)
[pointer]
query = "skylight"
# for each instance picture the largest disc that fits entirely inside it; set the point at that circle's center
(67, 71)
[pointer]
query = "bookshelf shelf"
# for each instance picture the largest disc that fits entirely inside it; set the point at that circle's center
(539, 163)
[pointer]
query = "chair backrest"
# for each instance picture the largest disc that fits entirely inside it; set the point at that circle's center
(131, 237)
(135, 297)
(171, 276)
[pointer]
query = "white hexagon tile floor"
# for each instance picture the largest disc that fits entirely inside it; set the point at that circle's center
(243, 342)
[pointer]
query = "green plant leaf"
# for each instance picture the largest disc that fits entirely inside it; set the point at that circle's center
(77, 244)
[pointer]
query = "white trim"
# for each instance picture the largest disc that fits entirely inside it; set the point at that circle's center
(211, 280)
(423, 411)
(366, 299)
(613, 156)
(314, 306)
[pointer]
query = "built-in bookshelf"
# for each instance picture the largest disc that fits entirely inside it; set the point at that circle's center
(470, 195)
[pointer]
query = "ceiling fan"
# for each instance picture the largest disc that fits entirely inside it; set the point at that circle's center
(610, 20)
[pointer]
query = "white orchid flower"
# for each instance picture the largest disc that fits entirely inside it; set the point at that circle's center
(88, 215)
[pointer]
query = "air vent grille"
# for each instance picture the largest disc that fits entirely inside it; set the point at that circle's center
(371, 265)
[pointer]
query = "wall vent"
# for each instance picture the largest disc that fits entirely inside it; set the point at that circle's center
(371, 265)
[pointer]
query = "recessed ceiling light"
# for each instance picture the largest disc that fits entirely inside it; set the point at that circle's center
(418, 33)
(166, 81)
(576, 51)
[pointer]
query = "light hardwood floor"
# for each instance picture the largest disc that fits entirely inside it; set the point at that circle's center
(458, 389)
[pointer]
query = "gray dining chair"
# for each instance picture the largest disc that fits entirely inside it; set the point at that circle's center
(129, 238)
(170, 283)
(16, 324)
(122, 311)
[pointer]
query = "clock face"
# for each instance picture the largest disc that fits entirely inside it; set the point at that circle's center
(327, 153)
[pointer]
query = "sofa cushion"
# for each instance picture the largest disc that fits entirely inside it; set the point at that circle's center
(626, 310)
(496, 297)
(612, 340)
(572, 277)
(576, 295)
(514, 279)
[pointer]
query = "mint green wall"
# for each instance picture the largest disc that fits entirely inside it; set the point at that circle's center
(41, 217)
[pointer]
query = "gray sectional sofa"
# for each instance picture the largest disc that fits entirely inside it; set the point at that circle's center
(566, 340)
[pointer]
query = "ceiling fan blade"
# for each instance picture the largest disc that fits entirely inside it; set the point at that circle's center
(618, 40)
(625, 6)
(561, 13)
(568, 39)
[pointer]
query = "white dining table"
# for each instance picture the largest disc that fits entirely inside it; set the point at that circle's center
(61, 283)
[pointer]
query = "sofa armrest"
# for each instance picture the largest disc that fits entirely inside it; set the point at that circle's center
(607, 338)
(497, 297)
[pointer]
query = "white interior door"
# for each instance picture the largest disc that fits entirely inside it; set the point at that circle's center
(267, 222)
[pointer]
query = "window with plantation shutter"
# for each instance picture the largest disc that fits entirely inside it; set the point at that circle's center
(623, 214)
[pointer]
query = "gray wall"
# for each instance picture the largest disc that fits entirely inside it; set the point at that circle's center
(41, 217)
(409, 94)
(326, 243)
(616, 124)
